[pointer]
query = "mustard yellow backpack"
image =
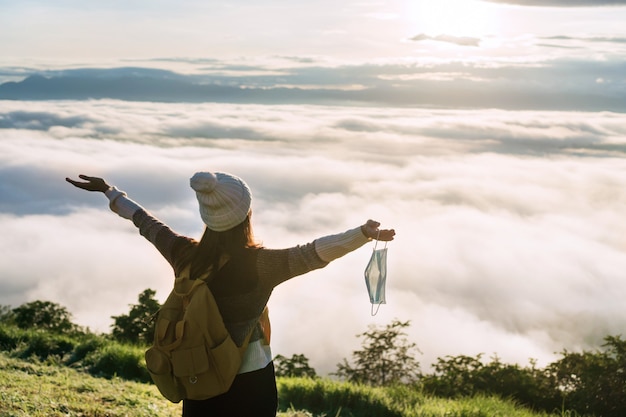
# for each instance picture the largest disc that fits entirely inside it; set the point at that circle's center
(193, 355)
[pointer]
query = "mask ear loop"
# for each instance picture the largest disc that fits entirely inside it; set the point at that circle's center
(372, 312)
(376, 241)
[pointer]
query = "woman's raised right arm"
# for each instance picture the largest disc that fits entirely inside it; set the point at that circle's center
(166, 241)
(118, 201)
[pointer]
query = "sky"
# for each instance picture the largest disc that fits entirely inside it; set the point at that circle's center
(489, 134)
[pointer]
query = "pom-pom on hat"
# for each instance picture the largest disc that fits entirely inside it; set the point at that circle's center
(224, 199)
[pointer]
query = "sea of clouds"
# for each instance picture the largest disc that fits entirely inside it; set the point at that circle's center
(510, 231)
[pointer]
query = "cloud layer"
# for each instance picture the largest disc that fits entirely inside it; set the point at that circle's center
(510, 232)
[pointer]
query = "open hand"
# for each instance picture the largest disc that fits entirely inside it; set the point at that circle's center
(371, 230)
(90, 184)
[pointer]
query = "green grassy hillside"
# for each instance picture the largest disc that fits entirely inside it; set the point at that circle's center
(49, 390)
(41, 390)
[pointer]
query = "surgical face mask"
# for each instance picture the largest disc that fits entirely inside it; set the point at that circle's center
(375, 277)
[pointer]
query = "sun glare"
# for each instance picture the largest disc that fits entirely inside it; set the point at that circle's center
(451, 17)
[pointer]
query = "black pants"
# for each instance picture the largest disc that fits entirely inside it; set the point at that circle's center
(252, 394)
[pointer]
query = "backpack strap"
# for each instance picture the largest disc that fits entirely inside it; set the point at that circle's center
(264, 321)
(246, 341)
(266, 325)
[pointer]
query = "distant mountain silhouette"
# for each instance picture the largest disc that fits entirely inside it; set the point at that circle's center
(146, 84)
(116, 85)
(140, 84)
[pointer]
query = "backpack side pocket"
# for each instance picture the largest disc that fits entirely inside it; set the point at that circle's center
(160, 369)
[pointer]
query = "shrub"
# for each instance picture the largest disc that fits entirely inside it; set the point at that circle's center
(387, 357)
(10, 337)
(324, 396)
(117, 360)
(138, 325)
(44, 315)
(594, 382)
(43, 345)
(465, 376)
(297, 366)
(86, 345)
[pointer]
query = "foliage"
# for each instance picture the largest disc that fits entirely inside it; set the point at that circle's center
(324, 397)
(40, 344)
(118, 360)
(95, 354)
(297, 366)
(43, 315)
(331, 397)
(476, 406)
(383, 380)
(41, 390)
(136, 326)
(594, 382)
(386, 358)
(10, 336)
(465, 376)
(44, 345)
(6, 314)
(85, 345)
(586, 383)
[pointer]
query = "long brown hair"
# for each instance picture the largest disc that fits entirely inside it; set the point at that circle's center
(207, 253)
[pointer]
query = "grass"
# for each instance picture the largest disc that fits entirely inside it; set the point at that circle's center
(45, 390)
(36, 388)
(329, 398)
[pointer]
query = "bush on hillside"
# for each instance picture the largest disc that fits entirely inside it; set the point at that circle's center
(586, 383)
(10, 336)
(45, 345)
(85, 345)
(296, 366)
(138, 325)
(466, 376)
(326, 397)
(386, 358)
(593, 382)
(118, 360)
(44, 315)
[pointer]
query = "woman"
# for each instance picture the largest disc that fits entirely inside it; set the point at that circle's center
(244, 275)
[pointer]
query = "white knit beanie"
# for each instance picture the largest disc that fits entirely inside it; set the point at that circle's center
(224, 199)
